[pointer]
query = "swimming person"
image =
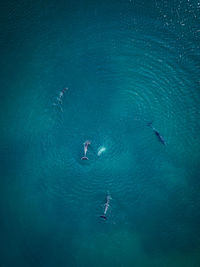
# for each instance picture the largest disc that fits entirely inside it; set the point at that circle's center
(86, 144)
(107, 204)
(61, 94)
(58, 102)
(159, 136)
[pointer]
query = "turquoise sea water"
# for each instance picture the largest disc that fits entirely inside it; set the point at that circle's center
(126, 63)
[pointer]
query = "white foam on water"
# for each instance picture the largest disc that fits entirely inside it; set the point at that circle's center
(101, 149)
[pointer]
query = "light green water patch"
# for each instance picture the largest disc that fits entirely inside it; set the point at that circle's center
(118, 248)
(172, 176)
(125, 248)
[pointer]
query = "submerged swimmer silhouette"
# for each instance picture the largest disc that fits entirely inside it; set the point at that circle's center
(107, 204)
(159, 136)
(61, 94)
(86, 144)
(58, 101)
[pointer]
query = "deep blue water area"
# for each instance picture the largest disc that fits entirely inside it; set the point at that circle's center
(125, 63)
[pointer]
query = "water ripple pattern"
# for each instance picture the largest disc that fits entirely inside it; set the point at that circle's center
(143, 75)
(125, 64)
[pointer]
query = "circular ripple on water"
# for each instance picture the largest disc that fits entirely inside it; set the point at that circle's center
(150, 79)
(160, 86)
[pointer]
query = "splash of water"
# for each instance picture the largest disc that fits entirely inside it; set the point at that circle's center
(101, 149)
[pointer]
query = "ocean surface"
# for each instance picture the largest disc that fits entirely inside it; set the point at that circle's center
(126, 63)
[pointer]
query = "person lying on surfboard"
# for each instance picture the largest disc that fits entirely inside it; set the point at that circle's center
(107, 204)
(86, 144)
(159, 136)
